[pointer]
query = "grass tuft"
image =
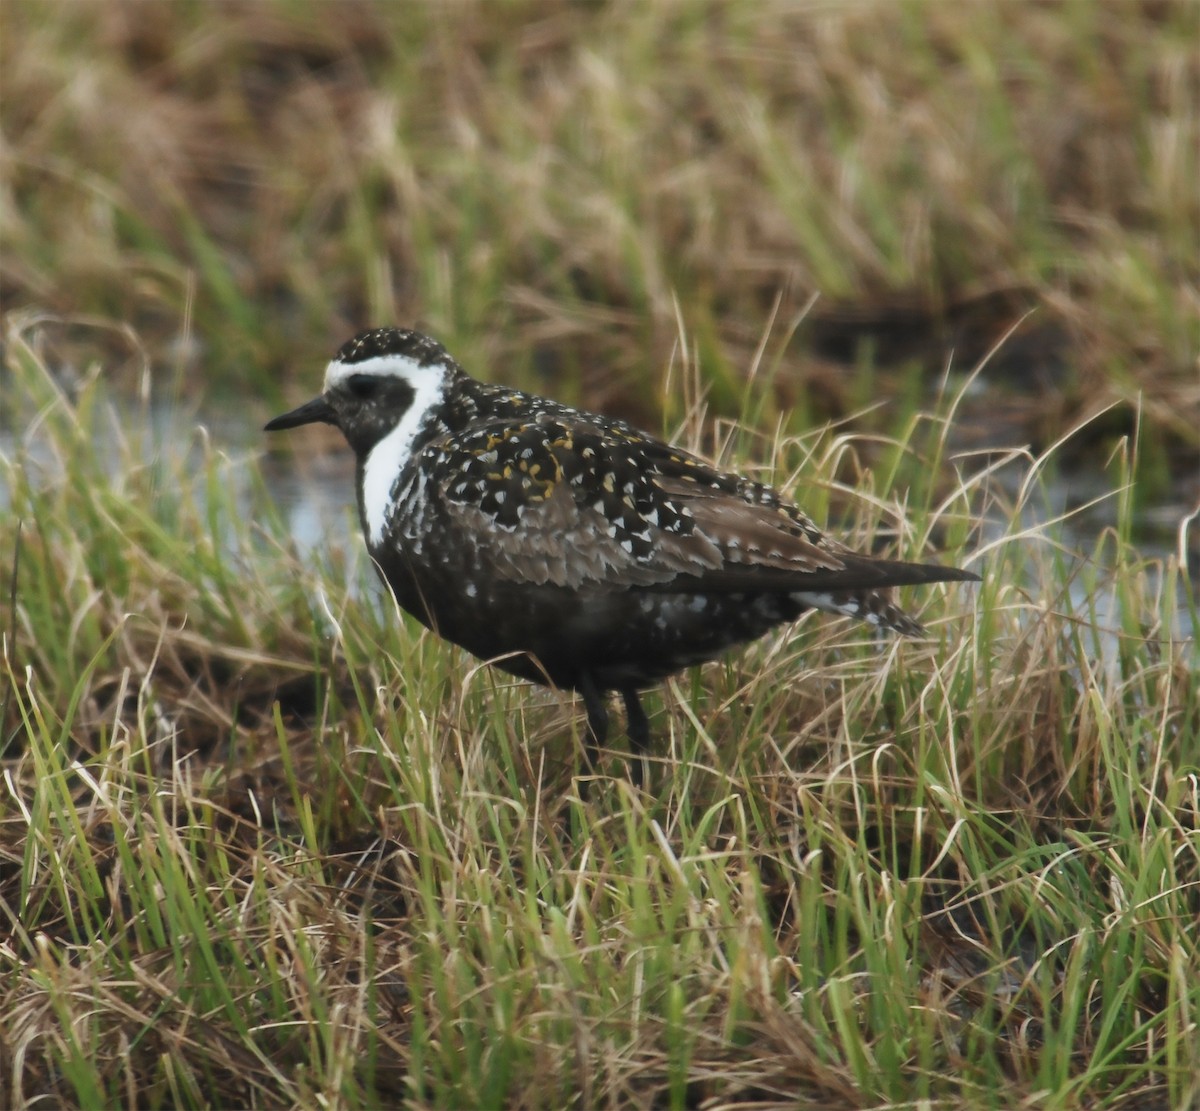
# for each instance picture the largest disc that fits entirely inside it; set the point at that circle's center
(264, 842)
(279, 850)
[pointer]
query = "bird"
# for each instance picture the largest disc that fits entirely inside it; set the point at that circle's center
(569, 548)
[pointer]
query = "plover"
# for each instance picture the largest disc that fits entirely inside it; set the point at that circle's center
(569, 548)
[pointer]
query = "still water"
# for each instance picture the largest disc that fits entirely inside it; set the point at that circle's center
(313, 489)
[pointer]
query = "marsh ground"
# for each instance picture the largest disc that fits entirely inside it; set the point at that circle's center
(262, 843)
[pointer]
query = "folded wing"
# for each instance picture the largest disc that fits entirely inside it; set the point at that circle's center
(579, 505)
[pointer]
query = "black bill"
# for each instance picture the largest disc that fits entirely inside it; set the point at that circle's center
(309, 413)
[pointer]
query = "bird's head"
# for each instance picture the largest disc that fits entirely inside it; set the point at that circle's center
(381, 382)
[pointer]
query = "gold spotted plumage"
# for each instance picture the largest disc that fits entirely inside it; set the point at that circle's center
(568, 547)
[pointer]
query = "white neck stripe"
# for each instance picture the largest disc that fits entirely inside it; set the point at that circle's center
(388, 458)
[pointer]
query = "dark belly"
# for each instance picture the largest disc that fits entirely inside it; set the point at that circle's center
(549, 634)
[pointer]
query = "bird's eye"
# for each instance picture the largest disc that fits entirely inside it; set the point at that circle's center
(363, 386)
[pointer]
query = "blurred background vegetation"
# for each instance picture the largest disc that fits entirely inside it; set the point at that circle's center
(552, 189)
(263, 844)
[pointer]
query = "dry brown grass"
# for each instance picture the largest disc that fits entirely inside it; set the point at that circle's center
(538, 185)
(264, 844)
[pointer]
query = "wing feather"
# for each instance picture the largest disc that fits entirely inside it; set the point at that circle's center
(562, 500)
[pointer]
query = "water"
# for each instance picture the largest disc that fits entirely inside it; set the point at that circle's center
(313, 489)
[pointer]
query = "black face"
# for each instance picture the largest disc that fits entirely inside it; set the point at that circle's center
(366, 407)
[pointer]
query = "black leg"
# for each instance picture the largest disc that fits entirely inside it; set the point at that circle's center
(597, 714)
(637, 725)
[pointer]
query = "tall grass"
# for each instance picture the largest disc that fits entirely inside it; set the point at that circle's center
(264, 841)
(546, 189)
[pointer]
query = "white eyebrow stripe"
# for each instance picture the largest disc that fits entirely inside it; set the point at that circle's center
(391, 366)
